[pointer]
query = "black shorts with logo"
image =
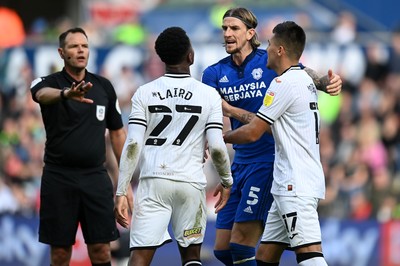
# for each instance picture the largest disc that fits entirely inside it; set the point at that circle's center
(69, 197)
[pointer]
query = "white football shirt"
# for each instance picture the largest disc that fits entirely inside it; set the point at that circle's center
(290, 107)
(179, 113)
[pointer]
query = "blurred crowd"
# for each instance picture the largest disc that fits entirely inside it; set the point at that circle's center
(360, 143)
(360, 149)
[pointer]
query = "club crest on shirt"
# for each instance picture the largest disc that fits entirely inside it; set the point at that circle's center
(100, 112)
(269, 98)
(257, 73)
(312, 88)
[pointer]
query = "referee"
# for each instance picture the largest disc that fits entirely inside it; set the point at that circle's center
(77, 107)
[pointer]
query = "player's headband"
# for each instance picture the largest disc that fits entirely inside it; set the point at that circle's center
(248, 25)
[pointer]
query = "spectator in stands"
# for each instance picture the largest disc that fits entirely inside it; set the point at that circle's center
(394, 61)
(345, 30)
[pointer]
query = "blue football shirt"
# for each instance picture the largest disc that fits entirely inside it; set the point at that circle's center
(244, 87)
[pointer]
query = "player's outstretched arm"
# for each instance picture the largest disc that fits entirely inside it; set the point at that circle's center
(75, 92)
(239, 114)
(248, 133)
(330, 83)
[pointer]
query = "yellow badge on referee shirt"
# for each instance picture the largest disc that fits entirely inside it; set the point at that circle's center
(269, 98)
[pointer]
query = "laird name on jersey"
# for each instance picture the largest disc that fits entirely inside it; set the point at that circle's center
(176, 92)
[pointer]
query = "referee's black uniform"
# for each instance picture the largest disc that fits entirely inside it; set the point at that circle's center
(75, 185)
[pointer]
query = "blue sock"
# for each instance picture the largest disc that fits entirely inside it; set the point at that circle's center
(243, 255)
(224, 256)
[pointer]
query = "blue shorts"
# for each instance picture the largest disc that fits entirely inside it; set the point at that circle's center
(250, 198)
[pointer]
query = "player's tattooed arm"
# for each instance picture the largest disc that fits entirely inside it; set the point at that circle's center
(320, 81)
(245, 118)
(330, 83)
(239, 114)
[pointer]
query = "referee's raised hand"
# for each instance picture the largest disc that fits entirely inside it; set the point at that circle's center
(78, 92)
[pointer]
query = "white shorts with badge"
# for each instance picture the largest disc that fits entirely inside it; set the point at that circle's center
(159, 201)
(293, 221)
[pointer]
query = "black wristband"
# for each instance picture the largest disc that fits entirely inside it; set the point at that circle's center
(62, 95)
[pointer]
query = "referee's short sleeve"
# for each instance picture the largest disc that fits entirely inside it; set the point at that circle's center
(114, 118)
(38, 84)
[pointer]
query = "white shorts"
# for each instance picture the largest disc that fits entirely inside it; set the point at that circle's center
(159, 201)
(293, 221)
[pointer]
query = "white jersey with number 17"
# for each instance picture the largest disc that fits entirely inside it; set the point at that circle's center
(176, 110)
(290, 107)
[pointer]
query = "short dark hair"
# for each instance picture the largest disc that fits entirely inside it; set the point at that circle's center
(172, 45)
(292, 37)
(63, 36)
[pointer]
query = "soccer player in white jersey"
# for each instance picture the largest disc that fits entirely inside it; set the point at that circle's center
(290, 113)
(171, 120)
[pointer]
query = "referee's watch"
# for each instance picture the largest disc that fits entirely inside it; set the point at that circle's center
(62, 93)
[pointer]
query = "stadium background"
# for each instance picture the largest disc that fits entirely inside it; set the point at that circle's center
(360, 147)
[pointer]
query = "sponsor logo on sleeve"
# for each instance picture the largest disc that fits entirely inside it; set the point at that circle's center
(269, 98)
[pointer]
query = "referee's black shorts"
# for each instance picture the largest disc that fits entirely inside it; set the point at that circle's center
(69, 197)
